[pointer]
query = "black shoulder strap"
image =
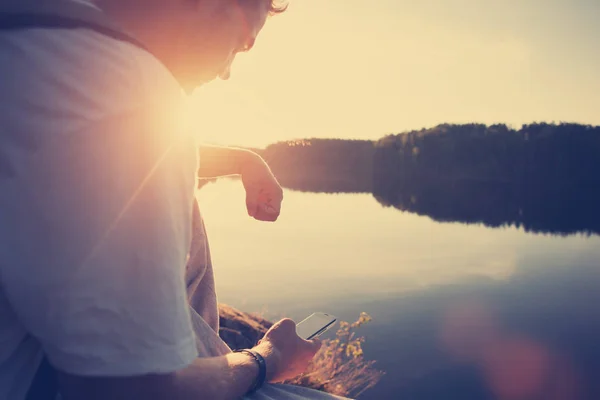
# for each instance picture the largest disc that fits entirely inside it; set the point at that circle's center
(58, 14)
(45, 383)
(65, 14)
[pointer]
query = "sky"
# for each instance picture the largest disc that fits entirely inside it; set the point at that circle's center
(365, 69)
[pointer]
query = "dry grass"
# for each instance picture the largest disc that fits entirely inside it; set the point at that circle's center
(340, 367)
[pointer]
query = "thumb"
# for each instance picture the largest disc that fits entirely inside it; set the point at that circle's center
(252, 201)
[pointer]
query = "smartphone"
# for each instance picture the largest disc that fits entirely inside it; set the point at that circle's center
(315, 325)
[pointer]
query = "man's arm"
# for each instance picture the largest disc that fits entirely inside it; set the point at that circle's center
(219, 378)
(217, 161)
(263, 193)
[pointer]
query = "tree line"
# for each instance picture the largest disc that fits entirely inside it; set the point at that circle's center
(542, 177)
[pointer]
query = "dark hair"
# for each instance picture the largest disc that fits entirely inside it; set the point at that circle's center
(278, 6)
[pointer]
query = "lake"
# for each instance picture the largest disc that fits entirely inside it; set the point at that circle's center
(459, 310)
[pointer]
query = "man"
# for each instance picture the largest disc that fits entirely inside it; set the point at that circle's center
(97, 179)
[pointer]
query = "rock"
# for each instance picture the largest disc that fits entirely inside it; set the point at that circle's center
(241, 330)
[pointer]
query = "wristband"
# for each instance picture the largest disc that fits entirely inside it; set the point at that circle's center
(262, 370)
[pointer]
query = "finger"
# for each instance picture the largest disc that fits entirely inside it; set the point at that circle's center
(266, 213)
(287, 324)
(284, 324)
(274, 206)
(273, 196)
(283, 329)
(252, 203)
(275, 200)
(265, 218)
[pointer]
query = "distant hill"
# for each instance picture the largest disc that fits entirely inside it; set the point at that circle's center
(566, 153)
(323, 165)
(542, 177)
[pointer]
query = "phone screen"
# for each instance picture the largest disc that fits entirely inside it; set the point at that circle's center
(314, 325)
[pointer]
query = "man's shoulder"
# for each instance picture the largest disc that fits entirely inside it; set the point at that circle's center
(80, 66)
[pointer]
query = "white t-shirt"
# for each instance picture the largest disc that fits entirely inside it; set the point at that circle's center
(97, 179)
(97, 182)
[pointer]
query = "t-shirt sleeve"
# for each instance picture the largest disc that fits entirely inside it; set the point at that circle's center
(102, 220)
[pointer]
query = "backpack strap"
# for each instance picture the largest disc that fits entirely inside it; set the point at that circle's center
(56, 14)
(60, 14)
(45, 383)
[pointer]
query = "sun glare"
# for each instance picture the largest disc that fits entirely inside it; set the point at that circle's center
(348, 69)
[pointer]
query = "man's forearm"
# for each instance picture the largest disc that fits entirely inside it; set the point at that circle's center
(218, 378)
(223, 378)
(216, 161)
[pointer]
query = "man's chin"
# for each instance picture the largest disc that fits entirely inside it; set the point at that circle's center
(189, 85)
(189, 90)
(225, 75)
(191, 78)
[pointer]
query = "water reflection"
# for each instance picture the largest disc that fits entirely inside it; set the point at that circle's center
(460, 311)
(559, 209)
(531, 337)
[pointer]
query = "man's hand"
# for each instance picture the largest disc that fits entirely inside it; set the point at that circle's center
(263, 193)
(287, 355)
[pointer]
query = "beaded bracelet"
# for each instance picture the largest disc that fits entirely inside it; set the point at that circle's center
(262, 369)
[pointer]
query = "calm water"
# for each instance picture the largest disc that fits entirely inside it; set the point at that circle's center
(459, 311)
